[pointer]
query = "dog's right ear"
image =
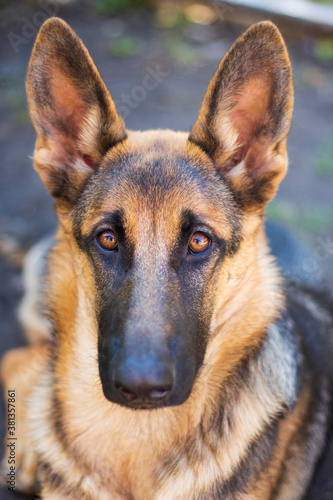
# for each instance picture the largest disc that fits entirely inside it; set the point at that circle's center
(71, 110)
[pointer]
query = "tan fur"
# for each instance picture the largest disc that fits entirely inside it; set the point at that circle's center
(21, 368)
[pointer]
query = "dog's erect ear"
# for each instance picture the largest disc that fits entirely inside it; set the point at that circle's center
(246, 114)
(71, 110)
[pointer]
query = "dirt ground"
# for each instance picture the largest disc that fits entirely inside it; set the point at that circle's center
(181, 56)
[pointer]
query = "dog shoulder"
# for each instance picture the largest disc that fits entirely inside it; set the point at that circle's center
(312, 312)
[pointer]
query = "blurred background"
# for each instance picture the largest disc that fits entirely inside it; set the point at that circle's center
(179, 44)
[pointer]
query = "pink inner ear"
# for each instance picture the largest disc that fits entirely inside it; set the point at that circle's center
(88, 161)
(233, 161)
(250, 111)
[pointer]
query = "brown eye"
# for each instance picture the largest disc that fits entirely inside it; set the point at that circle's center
(107, 240)
(199, 243)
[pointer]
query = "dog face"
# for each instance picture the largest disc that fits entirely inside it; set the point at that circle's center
(155, 247)
(156, 218)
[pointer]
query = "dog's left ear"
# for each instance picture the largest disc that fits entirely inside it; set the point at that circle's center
(246, 114)
(71, 109)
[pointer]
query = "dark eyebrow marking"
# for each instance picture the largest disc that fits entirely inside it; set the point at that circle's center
(191, 221)
(188, 220)
(115, 220)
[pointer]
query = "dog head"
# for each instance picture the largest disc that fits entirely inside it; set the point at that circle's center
(155, 219)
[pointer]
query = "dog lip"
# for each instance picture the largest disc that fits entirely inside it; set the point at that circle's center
(145, 405)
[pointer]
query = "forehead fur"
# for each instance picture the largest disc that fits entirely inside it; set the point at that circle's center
(157, 175)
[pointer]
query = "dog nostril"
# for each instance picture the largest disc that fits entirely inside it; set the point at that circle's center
(136, 384)
(126, 393)
(153, 395)
(158, 393)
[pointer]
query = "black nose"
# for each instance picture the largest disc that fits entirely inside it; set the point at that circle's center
(143, 387)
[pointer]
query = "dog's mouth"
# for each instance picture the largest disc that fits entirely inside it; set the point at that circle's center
(145, 406)
(142, 404)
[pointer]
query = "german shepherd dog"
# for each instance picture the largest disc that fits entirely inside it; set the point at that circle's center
(168, 360)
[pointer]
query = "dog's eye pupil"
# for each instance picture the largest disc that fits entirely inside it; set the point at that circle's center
(199, 243)
(107, 240)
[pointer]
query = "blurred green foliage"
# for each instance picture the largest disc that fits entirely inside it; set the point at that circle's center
(13, 92)
(170, 16)
(126, 46)
(329, 2)
(324, 160)
(18, 106)
(324, 50)
(316, 219)
(115, 6)
(181, 51)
